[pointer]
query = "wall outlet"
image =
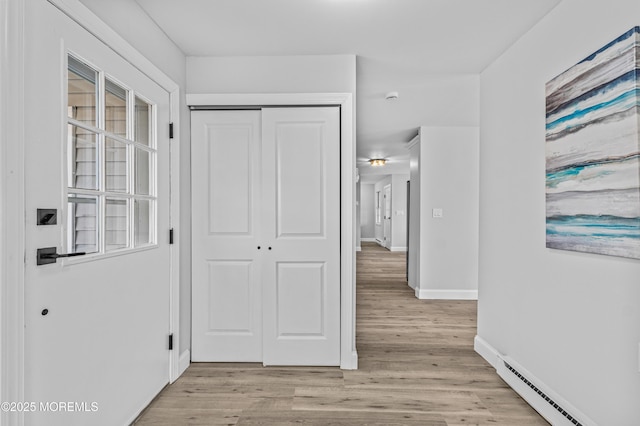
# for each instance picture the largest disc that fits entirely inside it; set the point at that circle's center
(438, 213)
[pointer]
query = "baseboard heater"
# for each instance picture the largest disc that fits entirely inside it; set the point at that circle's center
(552, 407)
(543, 395)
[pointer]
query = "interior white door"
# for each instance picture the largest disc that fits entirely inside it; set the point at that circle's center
(301, 227)
(96, 337)
(387, 216)
(266, 236)
(226, 291)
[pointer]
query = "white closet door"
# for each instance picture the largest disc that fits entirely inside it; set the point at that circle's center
(301, 225)
(226, 293)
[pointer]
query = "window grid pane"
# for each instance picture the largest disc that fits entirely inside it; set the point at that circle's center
(82, 226)
(115, 109)
(116, 224)
(142, 122)
(116, 165)
(142, 172)
(81, 91)
(83, 158)
(110, 151)
(143, 222)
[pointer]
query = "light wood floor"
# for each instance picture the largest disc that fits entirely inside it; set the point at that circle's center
(417, 366)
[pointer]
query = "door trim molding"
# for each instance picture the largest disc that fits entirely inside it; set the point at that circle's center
(12, 213)
(99, 29)
(348, 353)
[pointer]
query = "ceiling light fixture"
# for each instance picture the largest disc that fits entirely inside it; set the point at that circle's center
(391, 96)
(376, 162)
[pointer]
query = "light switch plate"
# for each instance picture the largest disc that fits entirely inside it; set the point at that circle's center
(437, 213)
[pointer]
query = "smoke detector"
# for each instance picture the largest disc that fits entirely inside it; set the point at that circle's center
(391, 96)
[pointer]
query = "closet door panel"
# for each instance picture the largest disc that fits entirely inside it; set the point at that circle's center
(300, 178)
(226, 261)
(301, 223)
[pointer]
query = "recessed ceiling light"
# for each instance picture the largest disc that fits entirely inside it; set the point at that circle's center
(376, 162)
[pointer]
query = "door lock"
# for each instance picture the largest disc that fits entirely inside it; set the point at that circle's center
(49, 255)
(47, 217)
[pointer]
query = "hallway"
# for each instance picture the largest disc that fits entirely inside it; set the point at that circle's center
(417, 366)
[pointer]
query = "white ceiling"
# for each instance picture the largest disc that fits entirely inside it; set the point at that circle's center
(430, 51)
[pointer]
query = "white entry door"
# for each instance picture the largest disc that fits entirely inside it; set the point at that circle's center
(97, 182)
(266, 236)
(387, 216)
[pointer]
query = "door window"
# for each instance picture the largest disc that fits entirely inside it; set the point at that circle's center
(111, 163)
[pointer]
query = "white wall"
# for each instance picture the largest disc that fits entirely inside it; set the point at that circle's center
(367, 211)
(146, 37)
(448, 180)
(272, 74)
(571, 319)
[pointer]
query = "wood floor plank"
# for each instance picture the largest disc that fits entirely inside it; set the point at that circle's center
(339, 418)
(162, 416)
(381, 400)
(417, 366)
(424, 380)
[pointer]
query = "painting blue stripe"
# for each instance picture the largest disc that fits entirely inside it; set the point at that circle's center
(631, 95)
(630, 33)
(575, 168)
(555, 178)
(629, 76)
(594, 226)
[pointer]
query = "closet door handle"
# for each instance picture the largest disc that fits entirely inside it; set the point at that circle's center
(269, 248)
(258, 247)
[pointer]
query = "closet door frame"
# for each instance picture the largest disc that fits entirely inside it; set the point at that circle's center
(348, 353)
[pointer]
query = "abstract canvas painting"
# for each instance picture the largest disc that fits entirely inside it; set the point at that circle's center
(593, 152)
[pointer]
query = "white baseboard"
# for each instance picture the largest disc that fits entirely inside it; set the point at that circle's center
(446, 294)
(398, 248)
(368, 240)
(486, 351)
(358, 248)
(535, 400)
(352, 363)
(185, 360)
